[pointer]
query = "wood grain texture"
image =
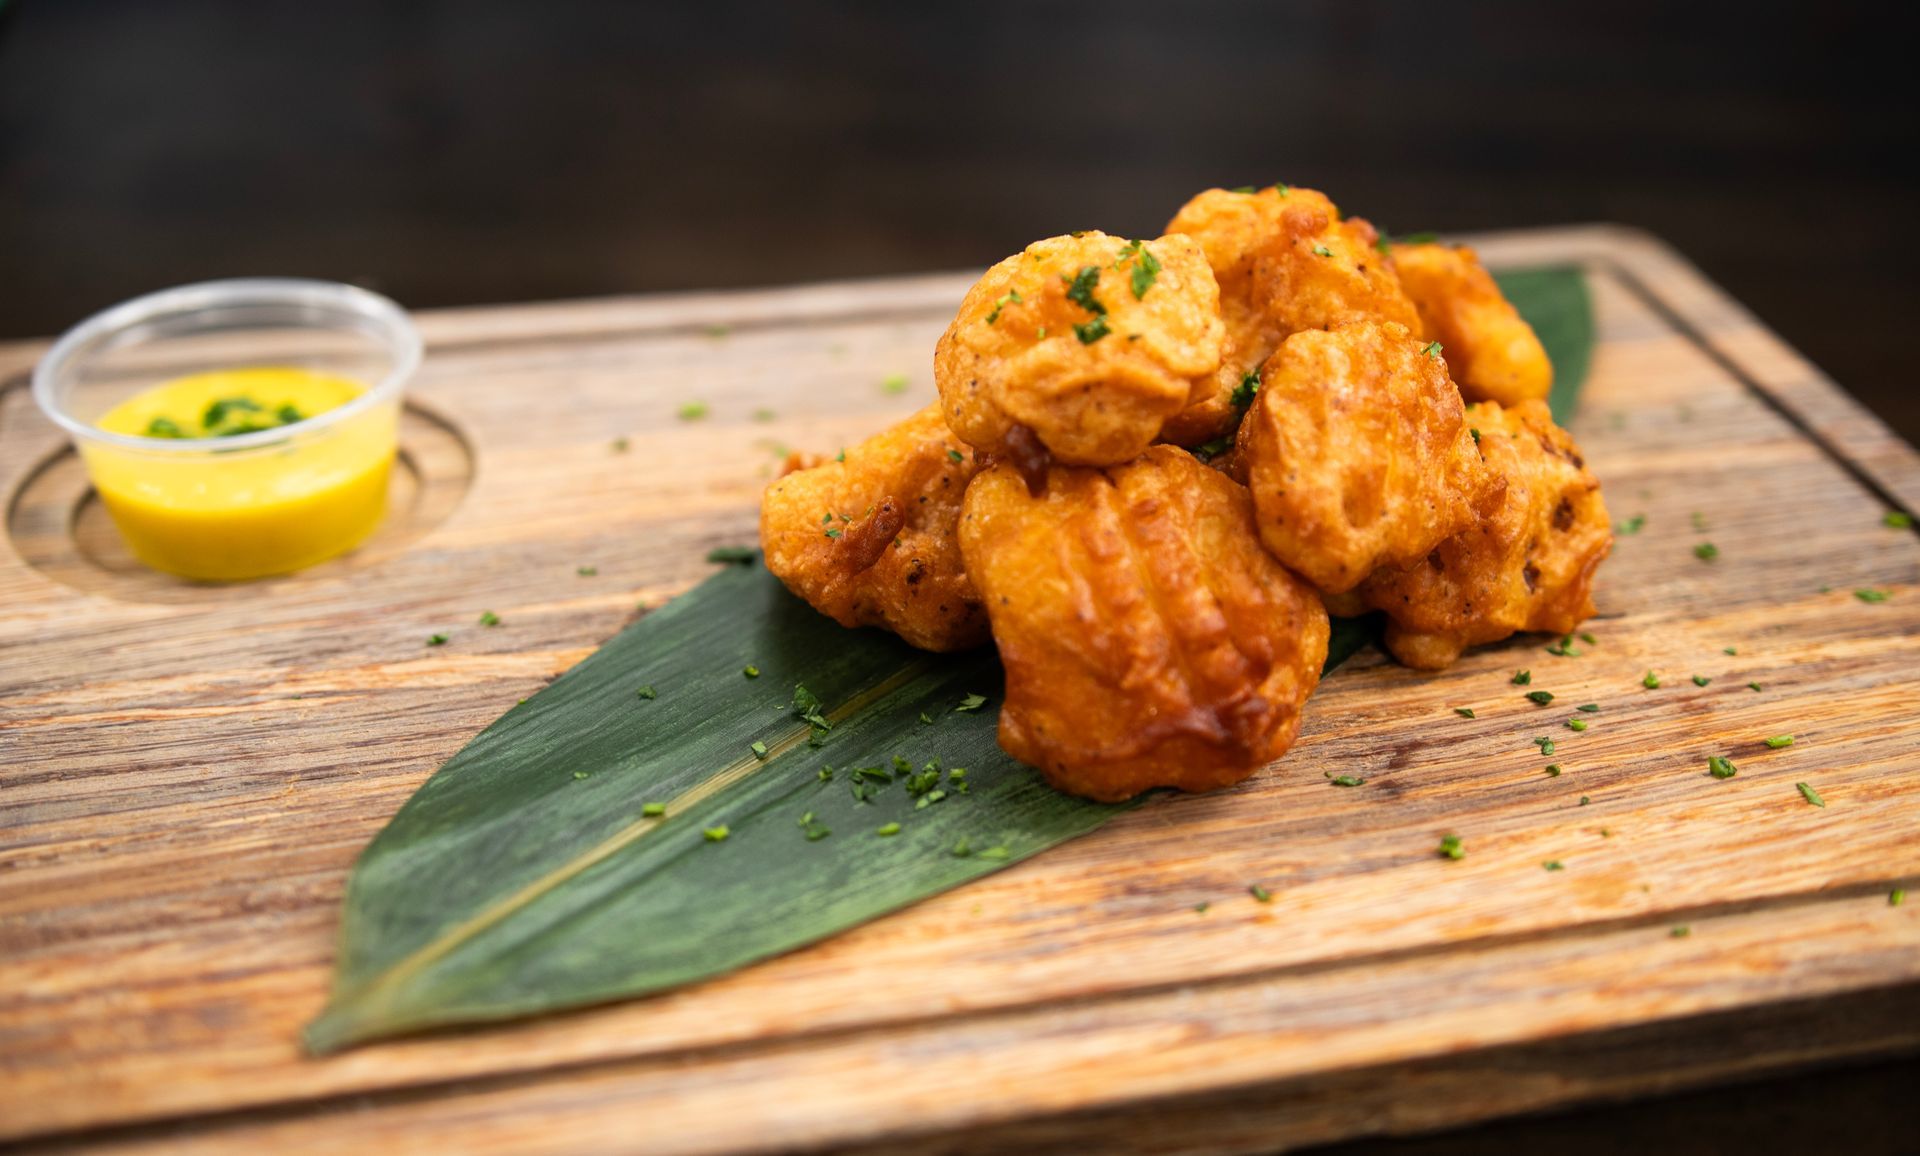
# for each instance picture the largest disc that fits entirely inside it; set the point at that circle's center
(184, 782)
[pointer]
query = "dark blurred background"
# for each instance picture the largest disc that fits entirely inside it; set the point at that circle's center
(505, 150)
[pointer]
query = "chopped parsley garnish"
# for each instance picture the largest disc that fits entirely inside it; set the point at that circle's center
(1706, 551)
(1681, 932)
(962, 848)
(1542, 697)
(489, 618)
(1701, 680)
(1564, 648)
(1896, 897)
(1260, 893)
(436, 640)
(653, 810)
(1010, 297)
(1000, 852)
(717, 834)
(1146, 266)
(217, 411)
(1080, 288)
(1241, 189)
(1632, 525)
(1869, 595)
(1451, 847)
(1322, 251)
(1584, 800)
(1809, 794)
(1201, 908)
(582, 775)
(1243, 393)
(1728, 650)
(1778, 742)
(619, 445)
(887, 829)
(1576, 724)
(831, 533)
(164, 427)
(807, 708)
(894, 383)
(691, 411)
(750, 671)
(1463, 711)
(1589, 707)
(1554, 865)
(1588, 638)
(1721, 767)
(765, 414)
(1753, 686)
(955, 457)
(586, 571)
(1522, 677)
(1651, 682)
(1346, 781)
(1699, 521)
(1207, 451)
(1897, 520)
(972, 702)
(1432, 350)
(647, 692)
(926, 719)
(1553, 770)
(1476, 436)
(1091, 331)
(733, 555)
(759, 750)
(1545, 744)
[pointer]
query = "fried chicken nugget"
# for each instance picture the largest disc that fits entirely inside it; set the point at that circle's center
(1285, 261)
(1085, 344)
(870, 540)
(1494, 353)
(1148, 639)
(1528, 565)
(1358, 455)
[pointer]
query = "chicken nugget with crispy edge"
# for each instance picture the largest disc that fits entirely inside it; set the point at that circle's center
(870, 540)
(1528, 565)
(1357, 453)
(1079, 348)
(1495, 354)
(1285, 261)
(1148, 639)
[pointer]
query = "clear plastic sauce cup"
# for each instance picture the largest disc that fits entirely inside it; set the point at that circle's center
(250, 504)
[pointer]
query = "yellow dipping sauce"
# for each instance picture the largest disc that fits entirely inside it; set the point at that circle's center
(224, 513)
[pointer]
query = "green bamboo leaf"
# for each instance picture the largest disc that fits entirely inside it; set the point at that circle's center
(1555, 301)
(654, 818)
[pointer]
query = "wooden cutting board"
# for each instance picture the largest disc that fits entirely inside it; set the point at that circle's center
(186, 774)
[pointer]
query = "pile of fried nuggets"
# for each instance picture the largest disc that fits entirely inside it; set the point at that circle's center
(1155, 466)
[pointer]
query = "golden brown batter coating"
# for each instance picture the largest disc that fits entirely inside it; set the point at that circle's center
(1086, 344)
(870, 541)
(1357, 453)
(1148, 639)
(1285, 261)
(1528, 565)
(1494, 353)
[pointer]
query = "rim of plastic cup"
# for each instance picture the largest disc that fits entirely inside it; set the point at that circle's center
(388, 319)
